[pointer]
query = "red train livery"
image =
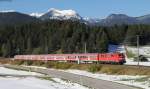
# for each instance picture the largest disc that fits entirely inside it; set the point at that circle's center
(116, 58)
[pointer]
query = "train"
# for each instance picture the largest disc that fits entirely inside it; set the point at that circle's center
(109, 58)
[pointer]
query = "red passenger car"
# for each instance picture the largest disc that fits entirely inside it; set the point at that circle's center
(117, 58)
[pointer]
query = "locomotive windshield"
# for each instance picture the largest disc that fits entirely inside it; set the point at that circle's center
(121, 55)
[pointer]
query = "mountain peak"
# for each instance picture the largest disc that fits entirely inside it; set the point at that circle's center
(60, 14)
(114, 16)
(63, 12)
(144, 17)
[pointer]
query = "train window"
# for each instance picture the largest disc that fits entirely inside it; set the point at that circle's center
(92, 56)
(83, 57)
(112, 55)
(108, 55)
(102, 55)
(70, 57)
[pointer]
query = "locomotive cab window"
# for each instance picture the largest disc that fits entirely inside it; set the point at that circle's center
(120, 55)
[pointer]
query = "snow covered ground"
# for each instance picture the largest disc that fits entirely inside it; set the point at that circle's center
(131, 62)
(137, 81)
(143, 50)
(16, 72)
(33, 82)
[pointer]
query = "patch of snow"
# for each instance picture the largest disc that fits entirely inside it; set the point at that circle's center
(35, 83)
(36, 14)
(61, 14)
(69, 84)
(32, 82)
(16, 72)
(92, 20)
(35, 67)
(131, 62)
(101, 76)
(57, 12)
(123, 79)
(144, 50)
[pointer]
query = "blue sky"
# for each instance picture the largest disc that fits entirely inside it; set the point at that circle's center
(86, 8)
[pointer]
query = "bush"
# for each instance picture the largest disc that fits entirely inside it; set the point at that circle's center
(142, 58)
(111, 70)
(62, 65)
(17, 62)
(94, 68)
(50, 64)
(29, 63)
(38, 63)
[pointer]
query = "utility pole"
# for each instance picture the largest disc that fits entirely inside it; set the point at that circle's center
(138, 36)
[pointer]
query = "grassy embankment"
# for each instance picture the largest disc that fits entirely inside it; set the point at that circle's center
(100, 68)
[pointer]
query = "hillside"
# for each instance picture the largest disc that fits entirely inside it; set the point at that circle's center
(66, 37)
(12, 18)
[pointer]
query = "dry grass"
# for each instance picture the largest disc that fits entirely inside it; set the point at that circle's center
(109, 69)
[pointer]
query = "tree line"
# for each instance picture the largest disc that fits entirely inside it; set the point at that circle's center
(66, 37)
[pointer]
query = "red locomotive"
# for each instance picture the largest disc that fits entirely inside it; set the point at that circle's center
(111, 58)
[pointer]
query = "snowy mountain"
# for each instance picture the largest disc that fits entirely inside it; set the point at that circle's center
(112, 19)
(61, 15)
(118, 19)
(11, 17)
